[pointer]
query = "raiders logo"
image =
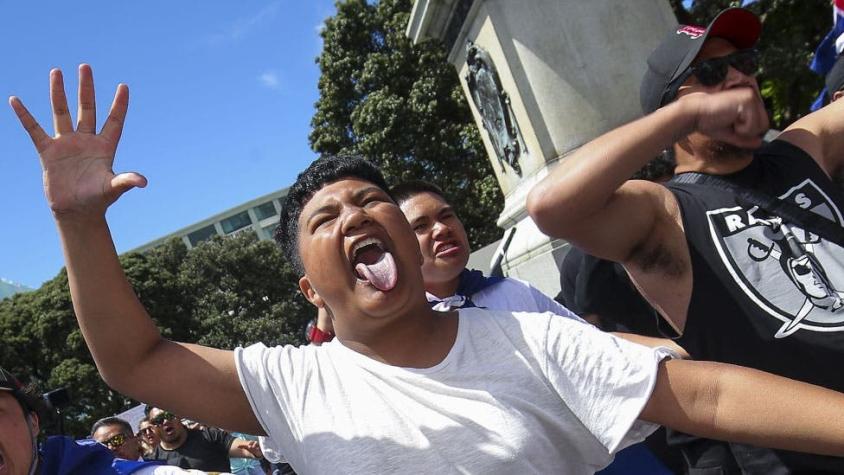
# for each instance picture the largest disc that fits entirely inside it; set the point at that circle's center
(788, 272)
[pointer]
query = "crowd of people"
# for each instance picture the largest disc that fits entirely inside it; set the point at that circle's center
(718, 280)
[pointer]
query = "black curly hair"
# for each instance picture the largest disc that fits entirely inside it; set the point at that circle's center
(321, 172)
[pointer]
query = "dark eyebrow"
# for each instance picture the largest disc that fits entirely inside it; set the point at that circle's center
(369, 189)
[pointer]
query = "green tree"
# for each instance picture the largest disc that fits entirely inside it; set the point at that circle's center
(791, 31)
(224, 293)
(245, 292)
(401, 105)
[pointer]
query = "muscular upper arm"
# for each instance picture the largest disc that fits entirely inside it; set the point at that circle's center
(821, 135)
(635, 218)
(194, 381)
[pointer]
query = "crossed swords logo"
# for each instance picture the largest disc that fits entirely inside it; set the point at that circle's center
(804, 270)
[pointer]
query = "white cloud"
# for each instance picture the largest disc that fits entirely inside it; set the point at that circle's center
(242, 26)
(270, 80)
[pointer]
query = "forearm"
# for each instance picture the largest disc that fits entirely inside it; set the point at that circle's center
(739, 404)
(585, 182)
(117, 329)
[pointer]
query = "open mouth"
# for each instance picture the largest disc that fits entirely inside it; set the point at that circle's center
(168, 430)
(374, 264)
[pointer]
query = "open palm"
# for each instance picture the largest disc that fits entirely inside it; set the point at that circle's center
(77, 163)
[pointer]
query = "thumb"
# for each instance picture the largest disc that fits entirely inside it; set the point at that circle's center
(124, 182)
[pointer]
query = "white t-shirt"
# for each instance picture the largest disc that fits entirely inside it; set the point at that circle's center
(517, 393)
(509, 294)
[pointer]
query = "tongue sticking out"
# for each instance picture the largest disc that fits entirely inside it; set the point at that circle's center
(381, 273)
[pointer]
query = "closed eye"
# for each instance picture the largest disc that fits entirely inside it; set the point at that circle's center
(321, 220)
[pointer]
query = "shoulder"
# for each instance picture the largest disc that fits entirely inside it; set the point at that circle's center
(783, 147)
(214, 434)
(259, 359)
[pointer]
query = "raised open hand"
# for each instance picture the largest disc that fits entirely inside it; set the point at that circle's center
(736, 116)
(77, 164)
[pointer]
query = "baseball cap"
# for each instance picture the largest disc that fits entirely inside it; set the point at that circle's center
(835, 77)
(680, 47)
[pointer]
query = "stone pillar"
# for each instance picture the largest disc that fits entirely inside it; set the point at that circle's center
(543, 77)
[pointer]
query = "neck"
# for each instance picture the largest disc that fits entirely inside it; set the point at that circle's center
(443, 289)
(176, 443)
(688, 161)
(420, 338)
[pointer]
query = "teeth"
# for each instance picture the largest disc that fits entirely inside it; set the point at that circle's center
(366, 242)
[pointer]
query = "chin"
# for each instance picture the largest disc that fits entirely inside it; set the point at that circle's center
(725, 152)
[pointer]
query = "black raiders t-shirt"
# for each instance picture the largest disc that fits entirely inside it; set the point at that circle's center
(766, 293)
(205, 449)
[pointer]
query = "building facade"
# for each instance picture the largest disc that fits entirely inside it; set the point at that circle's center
(259, 216)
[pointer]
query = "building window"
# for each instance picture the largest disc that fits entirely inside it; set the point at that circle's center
(202, 234)
(233, 223)
(269, 231)
(265, 211)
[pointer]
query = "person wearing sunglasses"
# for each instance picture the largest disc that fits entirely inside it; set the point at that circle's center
(716, 266)
(116, 434)
(22, 411)
(148, 435)
(206, 449)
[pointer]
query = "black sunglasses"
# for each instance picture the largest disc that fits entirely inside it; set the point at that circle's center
(162, 418)
(115, 442)
(714, 71)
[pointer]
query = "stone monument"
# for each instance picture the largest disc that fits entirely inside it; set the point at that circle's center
(542, 77)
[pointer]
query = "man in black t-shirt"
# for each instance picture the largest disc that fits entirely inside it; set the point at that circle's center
(206, 449)
(740, 284)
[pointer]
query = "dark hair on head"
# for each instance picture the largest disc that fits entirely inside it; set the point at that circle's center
(321, 172)
(142, 420)
(660, 168)
(407, 190)
(125, 427)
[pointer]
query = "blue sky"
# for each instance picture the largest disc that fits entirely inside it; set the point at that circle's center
(221, 96)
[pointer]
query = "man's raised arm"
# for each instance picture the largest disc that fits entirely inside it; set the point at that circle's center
(128, 349)
(588, 200)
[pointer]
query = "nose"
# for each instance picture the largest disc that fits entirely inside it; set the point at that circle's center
(736, 78)
(354, 218)
(440, 230)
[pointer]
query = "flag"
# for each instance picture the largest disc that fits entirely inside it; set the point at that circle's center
(830, 46)
(828, 50)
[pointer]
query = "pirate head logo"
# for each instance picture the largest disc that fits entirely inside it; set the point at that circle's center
(791, 274)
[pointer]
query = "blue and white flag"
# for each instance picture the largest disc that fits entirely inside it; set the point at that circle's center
(829, 49)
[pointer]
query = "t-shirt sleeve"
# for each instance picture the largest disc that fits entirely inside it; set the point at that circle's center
(267, 378)
(220, 437)
(604, 380)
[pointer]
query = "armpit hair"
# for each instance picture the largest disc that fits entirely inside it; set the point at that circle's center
(651, 258)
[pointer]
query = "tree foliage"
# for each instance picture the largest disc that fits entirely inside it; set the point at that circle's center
(401, 106)
(224, 293)
(791, 31)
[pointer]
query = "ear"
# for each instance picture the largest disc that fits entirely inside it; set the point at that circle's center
(837, 95)
(310, 292)
(34, 423)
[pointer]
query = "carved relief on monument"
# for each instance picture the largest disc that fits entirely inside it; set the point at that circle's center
(493, 105)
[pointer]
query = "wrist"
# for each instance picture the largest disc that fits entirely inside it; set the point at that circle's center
(318, 336)
(685, 113)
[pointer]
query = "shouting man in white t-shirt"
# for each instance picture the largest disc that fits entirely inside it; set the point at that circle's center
(402, 388)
